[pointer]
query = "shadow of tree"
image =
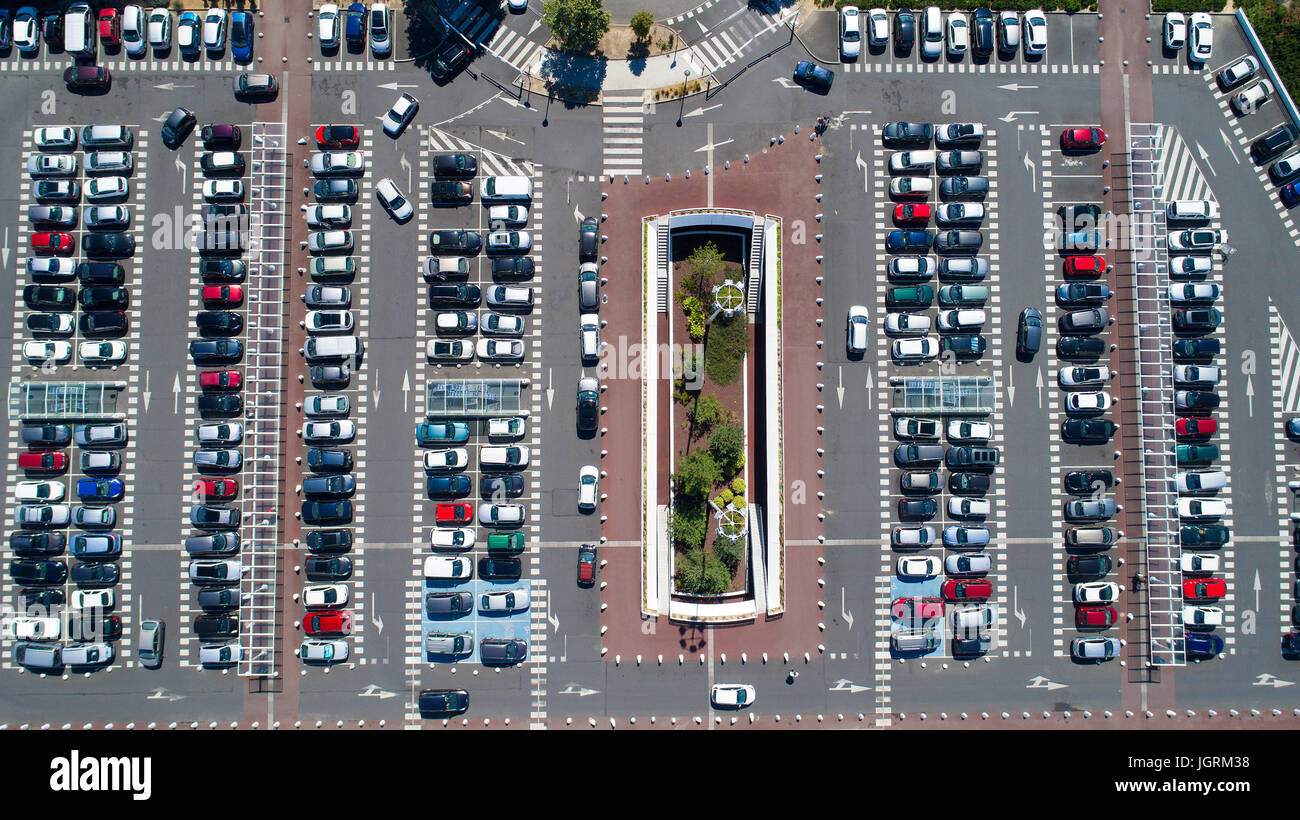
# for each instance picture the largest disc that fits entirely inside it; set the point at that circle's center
(573, 78)
(637, 54)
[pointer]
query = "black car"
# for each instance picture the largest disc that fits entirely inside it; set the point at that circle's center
(221, 599)
(907, 134)
(95, 628)
(87, 78)
(448, 603)
(327, 569)
(452, 486)
(103, 298)
(221, 543)
(904, 31)
(216, 351)
(326, 512)
(220, 136)
(913, 508)
(52, 30)
(223, 270)
(982, 25)
(455, 241)
(37, 573)
(499, 569)
(455, 165)
(323, 460)
(219, 322)
(330, 375)
(104, 323)
(1088, 566)
(588, 408)
(227, 214)
(963, 347)
(1029, 334)
(467, 296)
(49, 297)
(335, 190)
(37, 543)
(178, 126)
(1211, 536)
(42, 598)
(1274, 142)
(452, 56)
(452, 192)
(329, 486)
(1080, 347)
(968, 483)
(329, 541)
(972, 646)
(100, 273)
(221, 243)
(507, 486)
(964, 187)
(439, 703)
(220, 405)
(1195, 348)
(1079, 217)
(813, 77)
(1088, 431)
(104, 574)
(108, 245)
(216, 626)
(512, 267)
(1087, 482)
(44, 323)
(589, 240)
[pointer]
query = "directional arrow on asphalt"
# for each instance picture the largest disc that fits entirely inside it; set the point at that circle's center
(1011, 115)
(1029, 165)
(170, 86)
(1257, 588)
(406, 388)
(844, 612)
(396, 86)
(5, 250)
(1250, 397)
(550, 391)
(176, 393)
(1016, 87)
(502, 135)
(180, 166)
(1200, 149)
(866, 181)
(406, 163)
(534, 26)
(1268, 680)
(553, 621)
(1040, 682)
(147, 394)
(1011, 386)
(575, 689)
(379, 622)
(1015, 605)
(1039, 384)
(783, 82)
(373, 691)
(868, 387)
(163, 694)
(846, 685)
(1231, 148)
(839, 391)
(577, 215)
(696, 112)
(712, 145)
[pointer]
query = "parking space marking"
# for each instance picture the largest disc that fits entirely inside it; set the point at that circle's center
(883, 656)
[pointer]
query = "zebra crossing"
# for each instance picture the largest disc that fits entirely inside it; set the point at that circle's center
(1289, 365)
(491, 163)
(725, 45)
(624, 128)
(516, 50)
(1181, 177)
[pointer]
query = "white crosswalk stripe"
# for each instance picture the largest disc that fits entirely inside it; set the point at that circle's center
(494, 164)
(1182, 177)
(623, 130)
(1289, 372)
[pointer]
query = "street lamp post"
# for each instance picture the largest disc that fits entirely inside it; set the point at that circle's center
(685, 79)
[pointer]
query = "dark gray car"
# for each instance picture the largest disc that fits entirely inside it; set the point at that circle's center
(502, 650)
(964, 187)
(588, 288)
(448, 603)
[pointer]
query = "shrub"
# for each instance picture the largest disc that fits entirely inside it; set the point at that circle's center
(688, 524)
(724, 498)
(726, 348)
(702, 573)
(727, 446)
(703, 270)
(707, 412)
(730, 551)
(739, 501)
(1278, 28)
(738, 485)
(696, 474)
(695, 317)
(641, 23)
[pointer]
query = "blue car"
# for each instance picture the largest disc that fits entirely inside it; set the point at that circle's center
(241, 36)
(1081, 241)
(100, 490)
(909, 241)
(445, 432)
(354, 26)
(813, 77)
(189, 33)
(6, 38)
(1289, 194)
(1201, 645)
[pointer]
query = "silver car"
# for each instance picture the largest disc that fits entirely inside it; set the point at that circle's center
(88, 654)
(510, 600)
(516, 298)
(968, 563)
(220, 654)
(449, 643)
(205, 460)
(219, 435)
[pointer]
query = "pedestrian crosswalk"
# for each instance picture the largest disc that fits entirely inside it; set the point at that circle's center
(493, 164)
(724, 44)
(516, 49)
(624, 128)
(1181, 177)
(1289, 370)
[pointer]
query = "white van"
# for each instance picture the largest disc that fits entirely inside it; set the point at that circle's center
(1191, 209)
(506, 189)
(79, 37)
(331, 348)
(921, 641)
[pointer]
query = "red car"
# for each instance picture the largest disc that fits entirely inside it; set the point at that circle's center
(43, 462)
(334, 622)
(586, 565)
(916, 609)
(1196, 428)
(1082, 138)
(1204, 589)
(455, 513)
(223, 294)
(110, 28)
(220, 380)
(46, 243)
(1092, 617)
(1085, 266)
(337, 136)
(912, 212)
(220, 489)
(966, 590)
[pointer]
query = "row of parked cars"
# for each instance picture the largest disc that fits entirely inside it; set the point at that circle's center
(982, 32)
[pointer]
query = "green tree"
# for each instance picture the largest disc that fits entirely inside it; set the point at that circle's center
(703, 270)
(727, 447)
(577, 25)
(688, 524)
(707, 412)
(641, 23)
(696, 474)
(730, 551)
(702, 573)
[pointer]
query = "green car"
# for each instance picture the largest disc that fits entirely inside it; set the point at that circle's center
(1196, 453)
(915, 297)
(963, 295)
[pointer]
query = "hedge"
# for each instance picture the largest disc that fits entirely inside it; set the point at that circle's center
(1278, 29)
(1189, 6)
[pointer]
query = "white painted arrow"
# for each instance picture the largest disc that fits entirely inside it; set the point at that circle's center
(502, 135)
(846, 685)
(1033, 179)
(406, 388)
(844, 612)
(170, 86)
(406, 163)
(696, 112)
(377, 390)
(839, 391)
(868, 387)
(575, 689)
(379, 622)
(163, 694)
(1257, 588)
(176, 393)
(866, 180)
(147, 394)
(553, 621)
(373, 691)
(1040, 682)
(5, 250)
(1268, 680)
(1016, 87)
(180, 166)
(1011, 386)
(534, 26)
(1231, 148)
(709, 146)
(1039, 384)
(1012, 115)
(1015, 605)
(577, 215)
(1200, 149)
(396, 86)
(550, 391)
(783, 82)
(1250, 397)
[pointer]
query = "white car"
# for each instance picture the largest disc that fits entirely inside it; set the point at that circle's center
(958, 34)
(906, 161)
(443, 350)
(1095, 649)
(502, 324)
(215, 572)
(857, 330)
(507, 427)
(219, 435)
(214, 29)
(326, 405)
(455, 321)
(1035, 32)
(505, 189)
(1196, 374)
(968, 563)
(400, 115)
(1008, 32)
(1096, 592)
(916, 350)
(52, 165)
(506, 600)
(35, 629)
(1247, 101)
(498, 515)
(911, 268)
(918, 566)
(220, 654)
(328, 432)
(1201, 509)
(461, 538)
(1190, 266)
(448, 569)
(55, 138)
(327, 26)
(1204, 293)
(1202, 616)
(336, 163)
(969, 431)
(907, 324)
(1202, 37)
(919, 187)
(589, 337)
(878, 28)
(1201, 481)
(223, 190)
(335, 651)
(961, 319)
(133, 30)
(913, 536)
(969, 507)
(1175, 30)
(160, 29)
(327, 241)
(325, 596)
(732, 695)
(1083, 376)
(588, 488)
(850, 32)
(509, 241)
(329, 321)
(1194, 562)
(39, 491)
(393, 200)
(512, 216)
(1088, 403)
(456, 458)
(930, 33)
(47, 354)
(100, 188)
(328, 216)
(101, 354)
(503, 458)
(959, 213)
(94, 599)
(381, 40)
(27, 34)
(500, 350)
